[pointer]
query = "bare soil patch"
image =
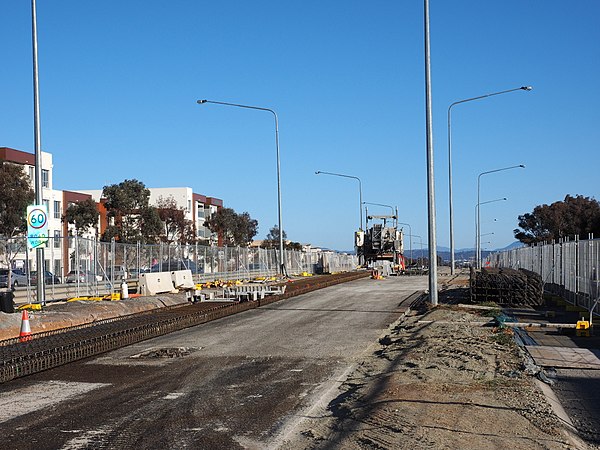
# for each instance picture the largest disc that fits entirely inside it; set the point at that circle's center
(440, 380)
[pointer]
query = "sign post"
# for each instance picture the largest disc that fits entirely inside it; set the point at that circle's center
(37, 228)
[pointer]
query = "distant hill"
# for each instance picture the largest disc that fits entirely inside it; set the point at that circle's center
(516, 244)
(463, 254)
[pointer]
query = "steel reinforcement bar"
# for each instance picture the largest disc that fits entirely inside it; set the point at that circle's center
(54, 348)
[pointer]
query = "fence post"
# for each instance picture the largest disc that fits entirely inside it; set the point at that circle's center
(95, 256)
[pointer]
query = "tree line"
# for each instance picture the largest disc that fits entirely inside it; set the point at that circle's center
(574, 216)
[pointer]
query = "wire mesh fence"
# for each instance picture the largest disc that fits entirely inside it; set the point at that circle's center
(568, 268)
(86, 266)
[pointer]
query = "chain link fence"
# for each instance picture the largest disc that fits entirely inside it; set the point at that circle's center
(568, 268)
(89, 267)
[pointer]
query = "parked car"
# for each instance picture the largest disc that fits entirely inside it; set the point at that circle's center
(49, 278)
(176, 264)
(17, 278)
(83, 276)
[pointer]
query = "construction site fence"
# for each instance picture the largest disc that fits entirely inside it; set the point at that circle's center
(104, 263)
(569, 268)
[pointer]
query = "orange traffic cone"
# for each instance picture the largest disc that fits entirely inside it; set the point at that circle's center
(25, 334)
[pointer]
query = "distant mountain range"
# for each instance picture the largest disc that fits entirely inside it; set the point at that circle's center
(463, 254)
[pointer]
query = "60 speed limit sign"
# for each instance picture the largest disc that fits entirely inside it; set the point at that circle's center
(37, 226)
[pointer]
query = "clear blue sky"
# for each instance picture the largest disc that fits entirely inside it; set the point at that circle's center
(119, 82)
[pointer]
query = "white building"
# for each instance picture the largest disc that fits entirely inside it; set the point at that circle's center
(57, 202)
(198, 208)
(58, 258)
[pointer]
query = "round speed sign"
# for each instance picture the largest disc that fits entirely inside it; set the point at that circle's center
(37, 218)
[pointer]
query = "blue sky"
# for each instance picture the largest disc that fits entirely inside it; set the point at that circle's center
(119, 82)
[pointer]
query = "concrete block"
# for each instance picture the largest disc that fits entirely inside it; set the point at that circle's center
(156, 283)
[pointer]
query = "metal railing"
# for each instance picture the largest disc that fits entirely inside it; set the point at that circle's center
(569, 268)
(85, 267)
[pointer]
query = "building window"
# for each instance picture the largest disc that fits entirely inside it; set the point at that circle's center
(57, 211)
(32, 173)
(47, 203)
(57, 268)
(45, 178)
(56, 238)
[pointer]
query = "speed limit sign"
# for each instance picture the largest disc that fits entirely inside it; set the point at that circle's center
(37, 226)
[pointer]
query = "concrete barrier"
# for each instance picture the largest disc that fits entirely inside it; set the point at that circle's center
(156, 283)
(183, 279)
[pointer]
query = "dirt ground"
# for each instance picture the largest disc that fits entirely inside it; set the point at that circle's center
(440, 380)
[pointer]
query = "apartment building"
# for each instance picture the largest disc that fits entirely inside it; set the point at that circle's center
(198, 208)
(57, 202)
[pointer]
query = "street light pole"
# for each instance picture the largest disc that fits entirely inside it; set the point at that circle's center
(520, 166)
(411, 235)
(319, 172)
(477, 224)
(39, 196)
(522, 88)
(281, 253)
(433, 293)
(421, 254)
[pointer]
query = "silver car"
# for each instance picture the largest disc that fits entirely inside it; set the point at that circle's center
(17, 278)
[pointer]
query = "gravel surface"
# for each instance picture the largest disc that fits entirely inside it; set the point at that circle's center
(439, 380)
(234, 383)
(323, 370)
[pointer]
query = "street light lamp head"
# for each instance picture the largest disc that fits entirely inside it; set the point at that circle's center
(201, 102)
(522, 166)
(527, 88)
(317, 172)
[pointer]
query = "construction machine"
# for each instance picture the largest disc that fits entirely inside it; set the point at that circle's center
(382, 241)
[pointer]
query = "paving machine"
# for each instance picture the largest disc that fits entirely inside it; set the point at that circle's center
(381, 241)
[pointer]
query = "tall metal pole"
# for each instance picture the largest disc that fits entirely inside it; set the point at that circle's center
(39, 197)
(411, 235)
(433, 294)
(421, 245)
(281, 252)
(360, 202)
(522, 88)
(478, 225)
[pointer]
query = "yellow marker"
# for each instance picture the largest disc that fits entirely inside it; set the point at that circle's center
(31, 307)
(582, 328)
(87, 298)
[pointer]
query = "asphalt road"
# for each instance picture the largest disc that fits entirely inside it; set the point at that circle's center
(245, 381)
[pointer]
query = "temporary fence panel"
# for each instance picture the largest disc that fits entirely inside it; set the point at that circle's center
(88, 267)
(569, 268)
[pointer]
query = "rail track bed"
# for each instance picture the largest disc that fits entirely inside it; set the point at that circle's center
(54, 348)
